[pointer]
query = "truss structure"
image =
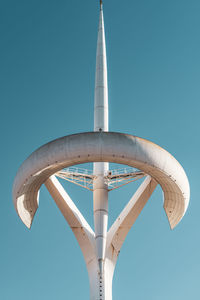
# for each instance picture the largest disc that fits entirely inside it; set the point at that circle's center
(114, 178)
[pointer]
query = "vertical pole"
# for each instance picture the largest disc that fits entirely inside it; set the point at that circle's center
(101, 85)
(100, 169)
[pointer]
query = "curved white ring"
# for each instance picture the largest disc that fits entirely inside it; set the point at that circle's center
(101, 146)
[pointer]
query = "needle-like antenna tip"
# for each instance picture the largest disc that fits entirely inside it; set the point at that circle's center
(101, 4)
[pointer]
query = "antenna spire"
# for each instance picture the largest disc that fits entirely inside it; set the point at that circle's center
(101, 85)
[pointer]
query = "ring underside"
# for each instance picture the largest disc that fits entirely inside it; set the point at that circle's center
(103, 147)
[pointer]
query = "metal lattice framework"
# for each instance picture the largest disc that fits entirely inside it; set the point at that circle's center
(114, 179)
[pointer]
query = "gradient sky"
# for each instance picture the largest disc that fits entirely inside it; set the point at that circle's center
(47, 67)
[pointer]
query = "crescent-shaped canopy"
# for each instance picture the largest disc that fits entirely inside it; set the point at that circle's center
(106, 147)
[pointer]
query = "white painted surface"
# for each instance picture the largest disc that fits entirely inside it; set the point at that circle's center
(100, 281)
(101, 85)
(100, 208)
(100, 189)
(101, 146)
(120, 228)
(101, 248)
(80, 227)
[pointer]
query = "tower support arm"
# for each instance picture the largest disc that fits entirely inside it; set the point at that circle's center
(129, 214)
(80, 227)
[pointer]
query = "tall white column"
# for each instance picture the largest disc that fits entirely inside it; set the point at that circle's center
(101, 89)
(101, 285)
(100, 194)
(101, 85)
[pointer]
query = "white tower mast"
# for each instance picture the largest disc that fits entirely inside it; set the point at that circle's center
(101, 85)
(100, 247)
(100, 188)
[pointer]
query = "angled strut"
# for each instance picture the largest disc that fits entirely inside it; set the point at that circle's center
(100, 271)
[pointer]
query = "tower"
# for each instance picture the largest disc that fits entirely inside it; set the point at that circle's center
(101, 246)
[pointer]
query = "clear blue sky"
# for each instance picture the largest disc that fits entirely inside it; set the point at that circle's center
(47, 67)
